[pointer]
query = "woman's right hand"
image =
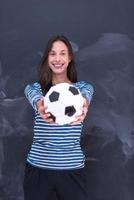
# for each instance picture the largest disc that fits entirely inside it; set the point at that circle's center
(41, 110)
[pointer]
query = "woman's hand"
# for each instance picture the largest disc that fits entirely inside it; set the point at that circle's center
(81, 117)
(41, 110)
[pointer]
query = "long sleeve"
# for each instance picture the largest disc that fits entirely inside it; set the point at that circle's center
(86, 90)
(33, 93)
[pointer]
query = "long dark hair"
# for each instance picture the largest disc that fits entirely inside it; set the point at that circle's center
(45, 73)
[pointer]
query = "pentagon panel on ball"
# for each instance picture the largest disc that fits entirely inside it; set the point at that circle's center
(64, 101)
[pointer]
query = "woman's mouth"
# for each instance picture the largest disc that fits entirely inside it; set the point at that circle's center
(57, 65)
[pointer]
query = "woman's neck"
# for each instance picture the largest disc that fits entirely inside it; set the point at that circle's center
(60, 79)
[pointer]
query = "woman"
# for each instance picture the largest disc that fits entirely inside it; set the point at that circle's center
(56, 162)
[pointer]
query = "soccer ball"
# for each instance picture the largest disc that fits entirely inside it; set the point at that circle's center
(63, 101)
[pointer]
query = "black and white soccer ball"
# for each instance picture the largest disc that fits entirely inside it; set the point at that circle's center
(64, 101)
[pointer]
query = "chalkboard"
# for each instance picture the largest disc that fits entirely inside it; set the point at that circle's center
(102, 37)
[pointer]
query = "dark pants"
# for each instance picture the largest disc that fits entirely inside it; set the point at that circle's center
(42, 184)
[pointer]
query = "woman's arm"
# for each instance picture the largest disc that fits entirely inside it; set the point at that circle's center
(33, 93)
(35, 97)
(87, 91)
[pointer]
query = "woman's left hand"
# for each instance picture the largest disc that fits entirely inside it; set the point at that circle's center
(80, 118)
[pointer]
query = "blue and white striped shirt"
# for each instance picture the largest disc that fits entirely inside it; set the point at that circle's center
(56, 146)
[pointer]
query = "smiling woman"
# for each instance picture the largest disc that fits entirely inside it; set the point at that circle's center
(56, 161)
(59, 53)
(57, 63)
(58, 60)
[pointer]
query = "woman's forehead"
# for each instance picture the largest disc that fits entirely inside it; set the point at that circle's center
(59, 45)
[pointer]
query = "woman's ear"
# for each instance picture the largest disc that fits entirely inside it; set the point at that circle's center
(70, 59)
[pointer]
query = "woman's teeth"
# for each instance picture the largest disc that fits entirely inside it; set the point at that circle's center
(60, 65)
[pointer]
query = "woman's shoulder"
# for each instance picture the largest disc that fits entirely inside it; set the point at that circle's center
(86, 89)
(34, 85)
(84, 84)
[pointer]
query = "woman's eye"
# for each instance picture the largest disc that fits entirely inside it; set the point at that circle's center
(51, 54)
(54, 54)
(63, 54)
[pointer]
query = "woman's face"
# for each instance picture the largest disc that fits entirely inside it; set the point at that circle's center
(58, 58)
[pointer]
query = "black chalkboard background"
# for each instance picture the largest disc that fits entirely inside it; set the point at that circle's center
(102, 35)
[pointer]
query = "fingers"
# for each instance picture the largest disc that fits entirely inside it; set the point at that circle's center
(80, 118)
(86, 102)
(42, 110)
(46, 116)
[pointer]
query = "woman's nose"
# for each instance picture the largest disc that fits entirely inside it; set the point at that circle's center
(57, 58)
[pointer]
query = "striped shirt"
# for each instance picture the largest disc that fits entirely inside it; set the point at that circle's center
(56, 146)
